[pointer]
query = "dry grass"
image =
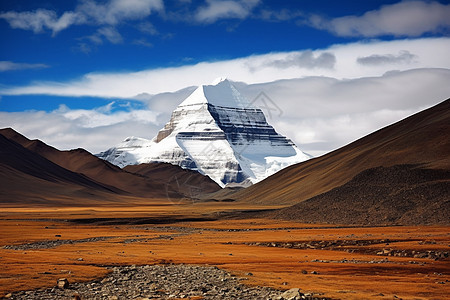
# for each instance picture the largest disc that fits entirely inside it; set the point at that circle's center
(270, 266)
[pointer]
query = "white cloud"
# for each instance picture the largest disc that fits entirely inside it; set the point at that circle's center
(217, 9)
(116, 11)
(94, 130)
(111, 13)
(103, 116)
(143, 42)
(111, 34)
(305, 59)
(40, 19)
(279, 15)
(406, 18)
(148, 28)
(11, 66)
(429, 53)
(319, 114)
(403, 57)
(322, 108)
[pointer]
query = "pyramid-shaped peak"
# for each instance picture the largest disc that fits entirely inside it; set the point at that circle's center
(216, 132)
(219, 80)
(220, 93)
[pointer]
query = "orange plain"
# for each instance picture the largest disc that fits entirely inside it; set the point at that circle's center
(222, 243)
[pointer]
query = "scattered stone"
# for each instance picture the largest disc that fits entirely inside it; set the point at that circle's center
(46, 244)
(76, 296)
(62, 283)
(343, 245)
(292, 294)
(168, 281)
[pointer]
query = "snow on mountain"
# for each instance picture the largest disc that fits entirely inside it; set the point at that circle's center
(217, 132)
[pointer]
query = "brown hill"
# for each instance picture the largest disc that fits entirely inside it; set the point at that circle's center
(155, 183)
(81, 161)
(400, 194)
(421, 139)
(27, 177)
(187, 182)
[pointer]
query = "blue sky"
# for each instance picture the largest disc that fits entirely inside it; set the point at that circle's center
(168, 35)
(92, 66)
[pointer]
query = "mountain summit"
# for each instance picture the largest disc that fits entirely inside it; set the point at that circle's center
(217, 132)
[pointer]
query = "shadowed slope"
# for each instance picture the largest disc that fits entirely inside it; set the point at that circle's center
(401, 195)
(81, 161)
(423, 138)
(190, 183)
(28, 177)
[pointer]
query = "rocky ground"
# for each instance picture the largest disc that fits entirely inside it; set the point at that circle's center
(161, 282)
(395, 195)
(54, 243)
(381, 247)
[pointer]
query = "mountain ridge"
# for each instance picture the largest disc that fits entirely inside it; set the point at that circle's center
(81, 164)
(27, 177)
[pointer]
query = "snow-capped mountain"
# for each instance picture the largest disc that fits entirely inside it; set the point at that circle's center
(217, 132)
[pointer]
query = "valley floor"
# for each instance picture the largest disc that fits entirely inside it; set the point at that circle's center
(39, 246)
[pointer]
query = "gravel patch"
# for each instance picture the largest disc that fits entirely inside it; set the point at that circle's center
(46, 244)
(161, 282)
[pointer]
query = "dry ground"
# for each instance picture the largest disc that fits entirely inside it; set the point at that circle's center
(244, 247)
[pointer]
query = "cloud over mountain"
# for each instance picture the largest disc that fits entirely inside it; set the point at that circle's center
(403, 57)
(338, 61)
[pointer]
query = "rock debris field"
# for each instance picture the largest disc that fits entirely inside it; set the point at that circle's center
(162, 282)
